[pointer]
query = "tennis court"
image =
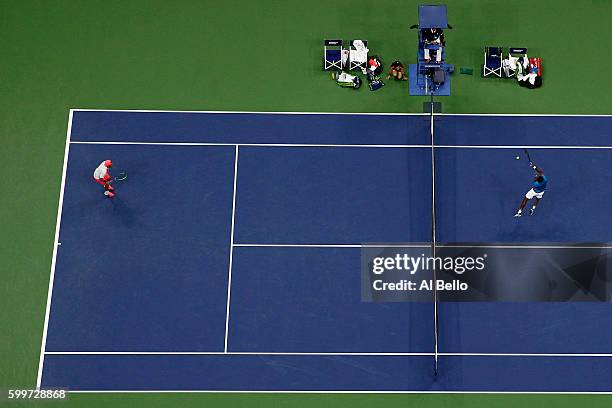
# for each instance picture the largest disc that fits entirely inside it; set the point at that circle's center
(230, 259)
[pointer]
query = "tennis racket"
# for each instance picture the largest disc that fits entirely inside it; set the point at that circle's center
(120, 177)
(528, 157)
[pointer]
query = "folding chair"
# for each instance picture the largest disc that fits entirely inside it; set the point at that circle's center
(358, 54)
(332, 55)
(516, 56)
(492, 61)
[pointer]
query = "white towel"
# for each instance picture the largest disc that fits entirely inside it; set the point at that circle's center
(360, 53)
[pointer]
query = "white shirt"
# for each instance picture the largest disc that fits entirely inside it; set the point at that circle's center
(100, 171)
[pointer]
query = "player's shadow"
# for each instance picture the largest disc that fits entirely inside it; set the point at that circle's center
(529, 233)
(127, 215)
(116, 208)
(539, 228)
(83, 208)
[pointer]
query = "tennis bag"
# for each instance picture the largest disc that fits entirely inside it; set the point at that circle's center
(346, 80)
(531, 76)
(376, 84)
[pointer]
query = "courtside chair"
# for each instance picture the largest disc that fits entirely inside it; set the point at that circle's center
(358, 54)
(332, 55)
(492, 62)
(515, 56)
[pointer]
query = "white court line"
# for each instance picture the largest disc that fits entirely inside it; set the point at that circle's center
(223, 353)
(438, 245)
(331, 246)
(294, 145)
(537, 115)
(315, 354)
(231, 255)
(527, 246)
(255, 112)
(58, 220)
(379, 146)
(374, 392)
(519, 147)
(342, 113)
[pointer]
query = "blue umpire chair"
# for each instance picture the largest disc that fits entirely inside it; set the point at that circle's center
(430, 75)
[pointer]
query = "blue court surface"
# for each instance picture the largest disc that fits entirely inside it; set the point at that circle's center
(230, 258)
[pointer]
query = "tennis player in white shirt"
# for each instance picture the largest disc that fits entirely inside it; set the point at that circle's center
(102, 176)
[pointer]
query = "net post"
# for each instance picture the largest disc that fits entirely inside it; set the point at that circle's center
(432, 106)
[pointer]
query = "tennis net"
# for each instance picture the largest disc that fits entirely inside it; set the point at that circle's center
(433, 233)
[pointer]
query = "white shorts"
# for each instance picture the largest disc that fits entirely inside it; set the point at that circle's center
(531, 193)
